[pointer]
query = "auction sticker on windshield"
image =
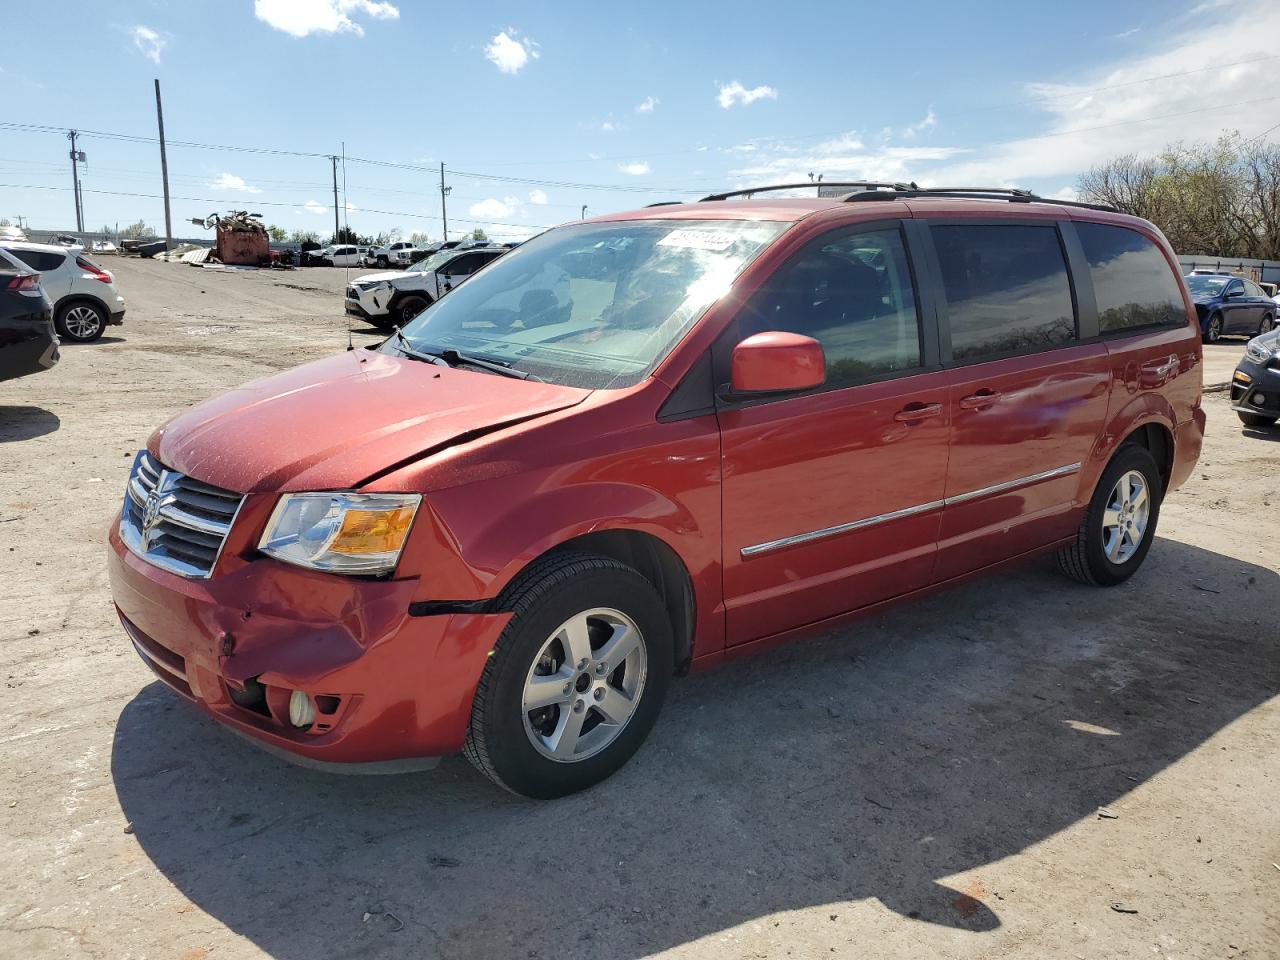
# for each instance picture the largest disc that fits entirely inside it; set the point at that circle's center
(698, 240)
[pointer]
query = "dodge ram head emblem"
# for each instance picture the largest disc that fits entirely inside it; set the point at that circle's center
(157, 499)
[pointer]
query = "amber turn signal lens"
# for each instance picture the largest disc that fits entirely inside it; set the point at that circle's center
(373, 531)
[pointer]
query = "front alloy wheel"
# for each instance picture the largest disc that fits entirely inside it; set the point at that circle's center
(575, 681)
(585, 684)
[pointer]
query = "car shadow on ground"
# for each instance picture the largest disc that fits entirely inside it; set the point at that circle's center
(934, 739)
(26, 422)
(1262, 433)
(100, 341)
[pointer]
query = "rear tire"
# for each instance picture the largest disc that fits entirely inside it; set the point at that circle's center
(1256, 419)
(1266, 325)
(1213, 329)
(601, 628)
(80, 321)
(1107, 549)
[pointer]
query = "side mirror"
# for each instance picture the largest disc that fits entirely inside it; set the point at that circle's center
(777, 362)
(1235, 294)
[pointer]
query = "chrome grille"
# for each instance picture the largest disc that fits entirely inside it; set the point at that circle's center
(174, 521)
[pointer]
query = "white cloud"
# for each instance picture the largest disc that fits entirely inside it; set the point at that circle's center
(595, 156)
(637, 168)
(731, 93)
(537, 197)
(150, 43)
(610, 126)
(510, 52)
(300, 18)
(314, 206)
(1134, 105)
(494, 209)
(229, 181)
(928, 123)
(647, 105)
(1088, 125)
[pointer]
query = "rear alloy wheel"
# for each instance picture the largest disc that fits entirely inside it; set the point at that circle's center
(1119, 524)
(576, 679)
(410, 307)
(81, 322)
(1266, 325)
(1213, 332)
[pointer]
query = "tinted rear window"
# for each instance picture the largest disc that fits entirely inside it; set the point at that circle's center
(39, 259)
(1007, 288)
(1132, 281)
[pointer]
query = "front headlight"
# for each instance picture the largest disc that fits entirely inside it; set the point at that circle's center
(361, 533)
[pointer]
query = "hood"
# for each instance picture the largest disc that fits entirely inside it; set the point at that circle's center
(379, 277)
(1204, 298)
(331, 424)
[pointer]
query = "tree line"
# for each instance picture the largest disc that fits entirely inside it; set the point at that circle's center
(1220, 199)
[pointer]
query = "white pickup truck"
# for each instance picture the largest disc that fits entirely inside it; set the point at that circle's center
(398, 254)
(395, 297)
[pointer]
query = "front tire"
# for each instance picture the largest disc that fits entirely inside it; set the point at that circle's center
(1213, 329)
(1256, 419)
(382, 262)
(1119, 524)
(80, 321)
(576, 680)
(407, 308)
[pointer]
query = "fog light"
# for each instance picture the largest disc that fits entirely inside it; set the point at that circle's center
(1258, 400)
(302, 712)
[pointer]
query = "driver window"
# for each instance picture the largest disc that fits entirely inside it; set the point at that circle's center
(1235, 286)
(852, 293)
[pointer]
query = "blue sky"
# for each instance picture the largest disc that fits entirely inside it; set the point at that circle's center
(608, 106)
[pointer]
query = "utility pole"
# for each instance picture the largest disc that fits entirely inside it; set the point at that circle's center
(444, 218)
(335, 198)
(164, 172)
(75, 179)
(584, 212)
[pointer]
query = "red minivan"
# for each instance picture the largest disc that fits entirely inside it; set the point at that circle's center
(649, 442)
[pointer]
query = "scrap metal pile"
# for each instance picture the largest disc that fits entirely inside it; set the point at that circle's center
(242, 239)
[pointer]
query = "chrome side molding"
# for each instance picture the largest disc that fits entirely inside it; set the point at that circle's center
(770, 545)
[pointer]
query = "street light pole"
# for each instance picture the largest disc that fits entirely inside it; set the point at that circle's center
(75, 179)
(164, 172)
(444, 216)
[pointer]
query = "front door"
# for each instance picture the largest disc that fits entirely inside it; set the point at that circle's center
(1027, 399)
(831, 499)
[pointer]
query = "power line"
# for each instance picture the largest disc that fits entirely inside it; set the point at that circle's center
(267, 203)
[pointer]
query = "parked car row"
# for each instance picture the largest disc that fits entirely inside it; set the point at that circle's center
(395, 297)
(652, 441)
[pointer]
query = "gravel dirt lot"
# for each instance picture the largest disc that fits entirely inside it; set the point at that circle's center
(924, 784)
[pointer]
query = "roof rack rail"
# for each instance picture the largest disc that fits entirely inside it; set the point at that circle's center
(866, 185)
(1011, 194)
(664, 203)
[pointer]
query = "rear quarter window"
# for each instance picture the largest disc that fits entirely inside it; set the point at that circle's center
(1132, 282)
(1006, 287)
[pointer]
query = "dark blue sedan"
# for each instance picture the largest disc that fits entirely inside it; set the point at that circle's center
(1230, 305)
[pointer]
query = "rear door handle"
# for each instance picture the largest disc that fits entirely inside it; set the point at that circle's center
(981, 400)
(915, 412)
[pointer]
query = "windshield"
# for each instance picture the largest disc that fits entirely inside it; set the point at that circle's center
(430, 263)
(596, 305)
(1209, 286)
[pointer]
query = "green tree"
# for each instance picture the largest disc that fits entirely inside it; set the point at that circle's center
(478, 234)
(419, 239)
(304, 236)
(137, 231)
(278, 234)
(345, 235)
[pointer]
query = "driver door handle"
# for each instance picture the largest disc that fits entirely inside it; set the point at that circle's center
(981, 400)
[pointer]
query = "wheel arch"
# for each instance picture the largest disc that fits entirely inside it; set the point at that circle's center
(1148, 421)
(653, 559)
(71, 299)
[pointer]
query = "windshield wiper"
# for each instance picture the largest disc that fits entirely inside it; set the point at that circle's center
(406, 348)
(454, 358)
